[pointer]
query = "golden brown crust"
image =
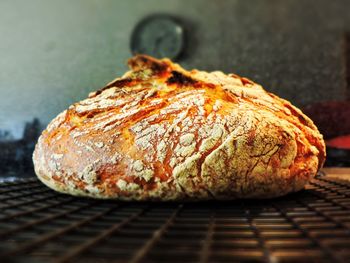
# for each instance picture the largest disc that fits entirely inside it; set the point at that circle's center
(163, 133)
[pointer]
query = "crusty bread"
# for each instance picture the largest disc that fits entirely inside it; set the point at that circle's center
(163, 133)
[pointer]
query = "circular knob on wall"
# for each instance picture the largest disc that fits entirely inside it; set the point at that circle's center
(159, 36)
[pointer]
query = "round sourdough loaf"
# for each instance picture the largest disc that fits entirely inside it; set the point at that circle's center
(163, 133)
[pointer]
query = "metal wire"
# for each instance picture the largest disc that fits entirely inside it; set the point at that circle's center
(40, 225)
(140, 254)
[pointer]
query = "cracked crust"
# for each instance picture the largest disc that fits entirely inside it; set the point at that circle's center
(163, 133)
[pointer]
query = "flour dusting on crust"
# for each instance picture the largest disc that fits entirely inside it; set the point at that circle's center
(163, 133)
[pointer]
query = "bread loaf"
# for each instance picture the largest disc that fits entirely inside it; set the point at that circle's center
(163, 133)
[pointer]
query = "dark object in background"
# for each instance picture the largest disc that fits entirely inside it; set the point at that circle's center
(333, 120)
(331, 117)
(337, 157)
(338, 151)
(16, 155)
(159, 36)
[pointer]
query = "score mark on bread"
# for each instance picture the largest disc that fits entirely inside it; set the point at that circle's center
(163, 133)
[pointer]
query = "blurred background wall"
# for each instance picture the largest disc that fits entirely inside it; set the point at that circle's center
(53, 53)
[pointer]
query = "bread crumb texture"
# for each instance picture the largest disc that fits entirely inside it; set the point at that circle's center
(163, 133)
